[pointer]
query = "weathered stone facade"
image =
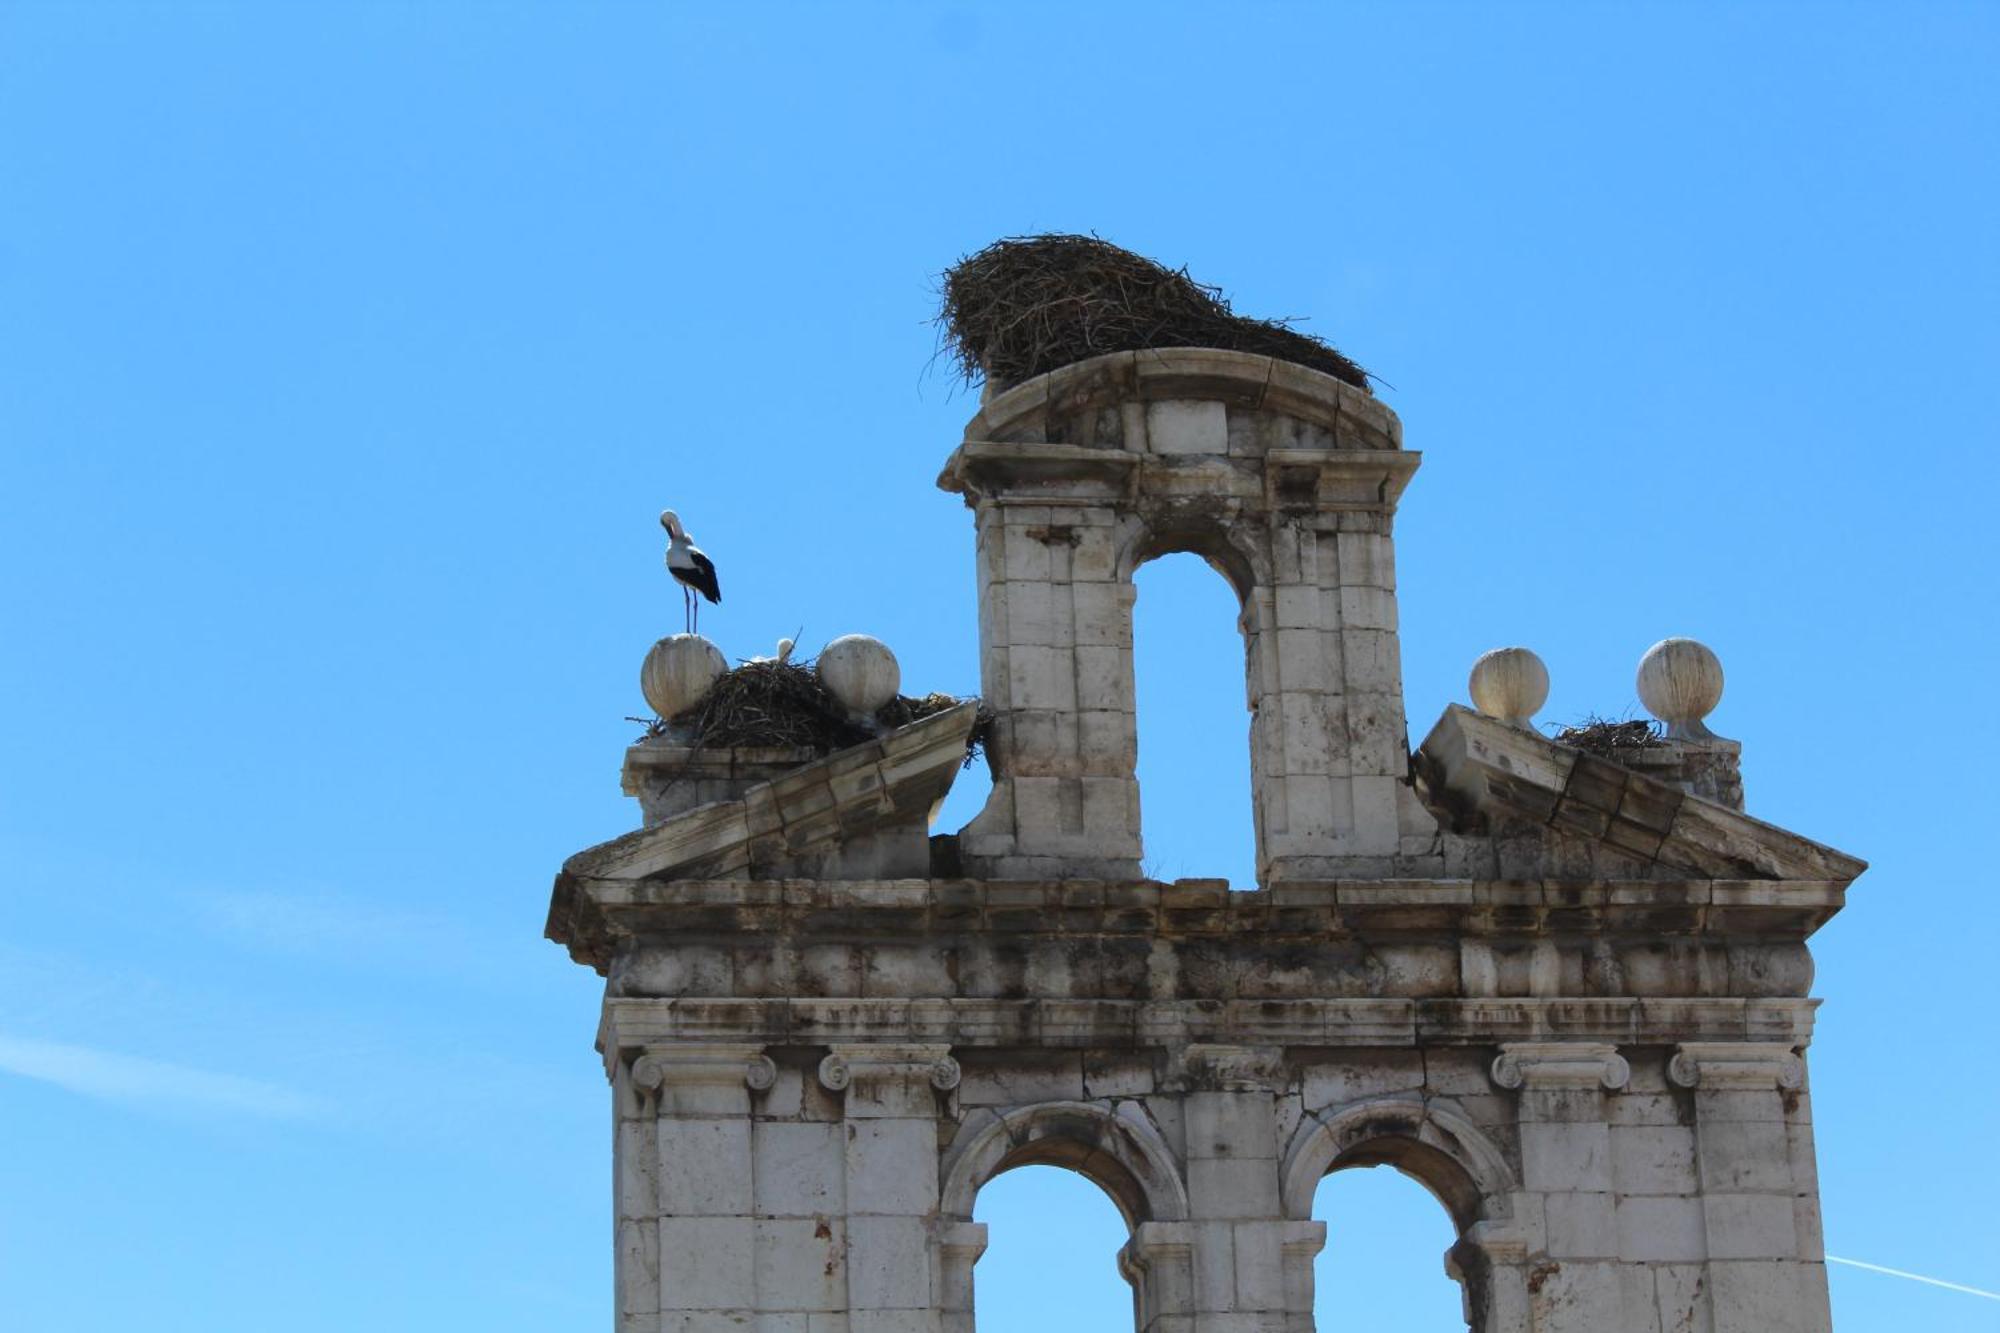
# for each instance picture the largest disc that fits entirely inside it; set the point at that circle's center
(1569, 996)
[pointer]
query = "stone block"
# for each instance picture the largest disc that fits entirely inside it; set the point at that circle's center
(892, 1167)
(1039, 677)
(1225, 1187)
(1683, 1299)
(1024, 557)
(1368, 608)
(888, 1264)
(1766, 1297)
(1652, 1159)
(1660, 1229)
(1564, 1156)
(1021, 1078)
(1108, 741)
(704, 1167)
(1260, 1268)
(1187, 426)
(1031, 616)
(1577, 1297)
(798, 1264)
(1745, 1155)
(636, 1263)
(799, 1169)
(1750, 1226)
(1103, 613)
(1580, 1225)
(1300, 606)
(1104, 677)
(1230, 1124)
(706, 1263)
(1306, 660)
(1367, 560)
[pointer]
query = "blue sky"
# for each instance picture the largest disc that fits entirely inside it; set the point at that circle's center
(347, 353)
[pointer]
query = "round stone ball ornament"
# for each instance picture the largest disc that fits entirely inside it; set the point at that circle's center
(678, 672)
(1510, 685)
(860, 672)
(1680, 683)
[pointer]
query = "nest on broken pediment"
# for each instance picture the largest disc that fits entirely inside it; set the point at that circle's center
(1027, 305)
(786, 705)
(1608, 738)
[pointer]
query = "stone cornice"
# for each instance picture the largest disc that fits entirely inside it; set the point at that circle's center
(1356, 417)
(1720, 1025)
(595, 916)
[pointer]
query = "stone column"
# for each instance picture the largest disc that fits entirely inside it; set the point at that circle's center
(1760, 1212)
(1245, 1250)
(895, 1277)
(959, 1246)
(1573, 1281)
(1329, 748)
(1159, 1263)
(683, 1181)
(1056, 668)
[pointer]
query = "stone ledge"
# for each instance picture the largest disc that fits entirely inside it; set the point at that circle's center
(631, 1024)
(598, 915)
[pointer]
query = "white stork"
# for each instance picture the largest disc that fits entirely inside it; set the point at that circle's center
(692, 569)
(784, 654)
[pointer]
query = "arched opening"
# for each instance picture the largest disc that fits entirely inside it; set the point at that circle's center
(1383, 1268)
(1052, 1244)
(1193, 722)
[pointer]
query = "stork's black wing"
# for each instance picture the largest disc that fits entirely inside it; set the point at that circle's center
(702, 577)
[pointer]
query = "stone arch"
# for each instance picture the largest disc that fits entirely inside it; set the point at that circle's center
(1440, 1148)
(1449, 1156)
(1202, 532)
(1119, 1150)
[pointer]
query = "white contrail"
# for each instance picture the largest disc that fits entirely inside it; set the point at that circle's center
(1916, 1277)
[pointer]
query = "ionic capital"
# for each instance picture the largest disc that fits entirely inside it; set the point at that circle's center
(1561, 1064)
(702, 1063)
(907, 1065)
(1763, 1066)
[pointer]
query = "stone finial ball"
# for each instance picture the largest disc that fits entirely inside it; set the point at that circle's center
(860, 672)
(678, 671)
(1510, 684)
(1680, 683)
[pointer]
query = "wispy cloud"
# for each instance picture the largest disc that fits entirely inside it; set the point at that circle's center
(1916, 1277)
(112, 1076)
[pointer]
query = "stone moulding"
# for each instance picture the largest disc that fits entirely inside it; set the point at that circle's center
(1493, 769)
(1166, 1024)
(1048, 403)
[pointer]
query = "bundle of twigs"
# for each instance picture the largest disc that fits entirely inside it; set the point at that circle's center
(1025, 305)
(1608, 739)
(783, 704)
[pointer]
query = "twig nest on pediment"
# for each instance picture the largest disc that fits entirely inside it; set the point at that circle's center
(1680, 683)
(1509, 685)
(678, 671)
(860, 672)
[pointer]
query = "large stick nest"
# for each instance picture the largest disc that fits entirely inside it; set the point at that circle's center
(1608, 739)
(785, 704)
(1027, 304)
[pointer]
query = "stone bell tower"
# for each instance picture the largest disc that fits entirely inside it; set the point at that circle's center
(1566, 988)
(1282, 478)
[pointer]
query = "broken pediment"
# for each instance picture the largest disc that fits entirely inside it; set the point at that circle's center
(860, 813)
(1488, 775)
